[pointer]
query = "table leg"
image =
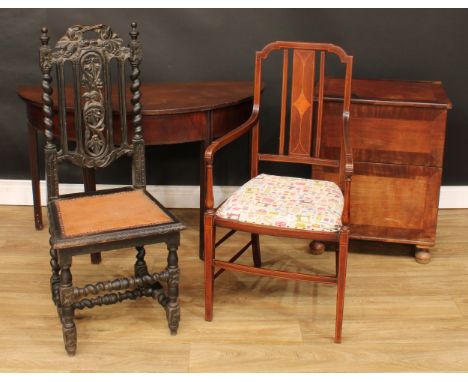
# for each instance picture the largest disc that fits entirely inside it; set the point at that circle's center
(89, 181)
(34, 172)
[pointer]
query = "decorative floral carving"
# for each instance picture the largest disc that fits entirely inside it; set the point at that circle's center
(173, 317)
(90, 56)
(73, 42)
(51, 171)
(67, 297)
(139, 172)
(69, 338)
(91, 64)
(95, 141)
(135, 52)
(45, 58)
(88, 161)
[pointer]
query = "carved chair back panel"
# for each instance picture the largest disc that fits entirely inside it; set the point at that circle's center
(89, 67)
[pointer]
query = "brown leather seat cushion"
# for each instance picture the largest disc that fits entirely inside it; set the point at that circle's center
(108, 212)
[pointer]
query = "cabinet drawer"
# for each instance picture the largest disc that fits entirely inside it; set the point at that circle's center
(387, 134)
(395, 203)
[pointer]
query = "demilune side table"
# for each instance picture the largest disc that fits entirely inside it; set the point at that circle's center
(172, 113)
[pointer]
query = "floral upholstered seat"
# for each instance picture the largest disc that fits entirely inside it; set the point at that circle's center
(286, 202)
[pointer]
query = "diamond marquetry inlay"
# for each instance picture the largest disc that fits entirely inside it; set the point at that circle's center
(300, 128)
(302, 104)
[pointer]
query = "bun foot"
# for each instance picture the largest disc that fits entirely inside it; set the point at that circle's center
(317, 247)
(422, 255)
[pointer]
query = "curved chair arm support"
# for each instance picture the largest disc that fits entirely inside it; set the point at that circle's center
(347, 159)
(218, 144)
(230, 137)
(346, 169)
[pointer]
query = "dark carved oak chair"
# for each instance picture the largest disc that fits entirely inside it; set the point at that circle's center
(96, 221)
(280, 205)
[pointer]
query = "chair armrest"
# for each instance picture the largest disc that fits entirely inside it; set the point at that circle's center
(230, 137)
(214, 147)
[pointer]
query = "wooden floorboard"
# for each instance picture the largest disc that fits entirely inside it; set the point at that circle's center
(399, 315)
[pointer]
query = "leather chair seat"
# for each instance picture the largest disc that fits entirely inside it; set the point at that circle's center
(113, 211)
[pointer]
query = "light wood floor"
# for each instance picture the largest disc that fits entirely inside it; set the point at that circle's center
(399, 315)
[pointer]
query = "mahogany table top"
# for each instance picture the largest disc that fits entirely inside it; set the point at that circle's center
(167, 98)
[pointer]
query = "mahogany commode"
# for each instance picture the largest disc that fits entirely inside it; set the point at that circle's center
(172, 113)
(397, 132)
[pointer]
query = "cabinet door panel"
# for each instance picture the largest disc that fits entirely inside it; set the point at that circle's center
(396, 203)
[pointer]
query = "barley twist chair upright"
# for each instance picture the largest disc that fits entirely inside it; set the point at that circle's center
(101, 220)
(281, 205)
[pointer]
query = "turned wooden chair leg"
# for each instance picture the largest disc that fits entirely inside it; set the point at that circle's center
(341, 276)
(55, 277)
(141, 269)
(172, 307)
(256, 254)
(209, 266)
(67, 310)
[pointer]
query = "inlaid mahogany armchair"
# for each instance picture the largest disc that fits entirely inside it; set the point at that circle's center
(101, 220)
(281, 205)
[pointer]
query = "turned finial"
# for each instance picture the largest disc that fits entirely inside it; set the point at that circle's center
(134, 33)
(44, 37)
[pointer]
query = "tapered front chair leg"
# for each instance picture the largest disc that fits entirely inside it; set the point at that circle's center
(67, 310)
(209, 266)
(341, 283)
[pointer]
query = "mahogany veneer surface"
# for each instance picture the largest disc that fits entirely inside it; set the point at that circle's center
(165, 98)
(397, 131)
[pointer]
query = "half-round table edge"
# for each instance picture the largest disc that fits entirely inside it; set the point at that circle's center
(172, 113)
